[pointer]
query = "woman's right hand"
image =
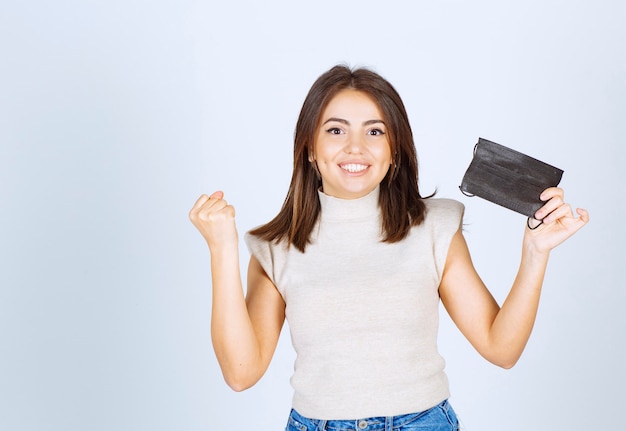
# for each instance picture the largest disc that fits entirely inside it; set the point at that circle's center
(215, 220)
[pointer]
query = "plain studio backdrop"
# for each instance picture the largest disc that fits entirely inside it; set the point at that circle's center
(115, 116)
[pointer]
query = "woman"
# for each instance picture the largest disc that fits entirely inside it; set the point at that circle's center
(357, 261)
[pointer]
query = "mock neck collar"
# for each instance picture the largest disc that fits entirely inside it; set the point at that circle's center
(337, 209)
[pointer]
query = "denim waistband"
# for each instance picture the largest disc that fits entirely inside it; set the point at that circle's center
(379, 423)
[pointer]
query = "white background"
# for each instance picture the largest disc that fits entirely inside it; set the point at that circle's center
(115, 116)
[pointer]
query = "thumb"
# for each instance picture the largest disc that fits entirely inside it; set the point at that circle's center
(217, 195)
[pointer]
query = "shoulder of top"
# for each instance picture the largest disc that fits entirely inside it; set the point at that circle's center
(443, 203)
(257, 243)
(253, 240)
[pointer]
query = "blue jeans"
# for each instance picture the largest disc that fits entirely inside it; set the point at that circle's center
(439, 418)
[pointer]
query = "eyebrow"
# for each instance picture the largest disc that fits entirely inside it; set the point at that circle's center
(347, 123)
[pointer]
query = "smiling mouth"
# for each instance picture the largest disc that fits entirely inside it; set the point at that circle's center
(354, 167)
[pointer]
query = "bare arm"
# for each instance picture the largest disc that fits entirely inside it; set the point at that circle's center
(498, 333)
(244, 331)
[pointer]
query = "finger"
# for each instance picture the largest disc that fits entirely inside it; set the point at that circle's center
(584, 215)
(551, 192)
(555, 202)
(581, 221)
(201, 201)
(563, 210)
(533, 223)
(212, 206)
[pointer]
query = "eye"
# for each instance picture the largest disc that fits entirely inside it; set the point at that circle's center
(375, 132)
(334, 131)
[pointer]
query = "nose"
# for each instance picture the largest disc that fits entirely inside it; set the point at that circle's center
(355, 144)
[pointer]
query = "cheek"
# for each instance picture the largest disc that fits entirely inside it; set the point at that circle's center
(324, 151)
(385, 154)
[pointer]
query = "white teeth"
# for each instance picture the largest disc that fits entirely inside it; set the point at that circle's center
(354, 167)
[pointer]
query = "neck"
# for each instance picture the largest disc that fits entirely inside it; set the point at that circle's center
(337, 209)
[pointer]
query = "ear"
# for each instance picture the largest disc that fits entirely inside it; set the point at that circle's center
(395, 164)
(315, 168)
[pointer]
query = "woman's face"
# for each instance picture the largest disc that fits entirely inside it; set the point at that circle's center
(351, 146)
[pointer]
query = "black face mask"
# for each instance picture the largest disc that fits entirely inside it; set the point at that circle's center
(508, 178)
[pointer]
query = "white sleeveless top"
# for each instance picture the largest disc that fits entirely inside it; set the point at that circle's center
(363, 314)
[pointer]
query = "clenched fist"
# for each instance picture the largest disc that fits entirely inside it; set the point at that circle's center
(215, 219)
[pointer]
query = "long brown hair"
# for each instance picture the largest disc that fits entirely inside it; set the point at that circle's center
(399, 199)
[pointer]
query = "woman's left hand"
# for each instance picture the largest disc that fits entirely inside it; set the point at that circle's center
(559, 221)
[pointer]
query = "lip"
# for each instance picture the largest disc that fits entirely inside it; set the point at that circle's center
(351, 167)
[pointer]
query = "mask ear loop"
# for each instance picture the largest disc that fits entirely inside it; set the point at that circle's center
(533, 228)
(539, 224)
(469, 195)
